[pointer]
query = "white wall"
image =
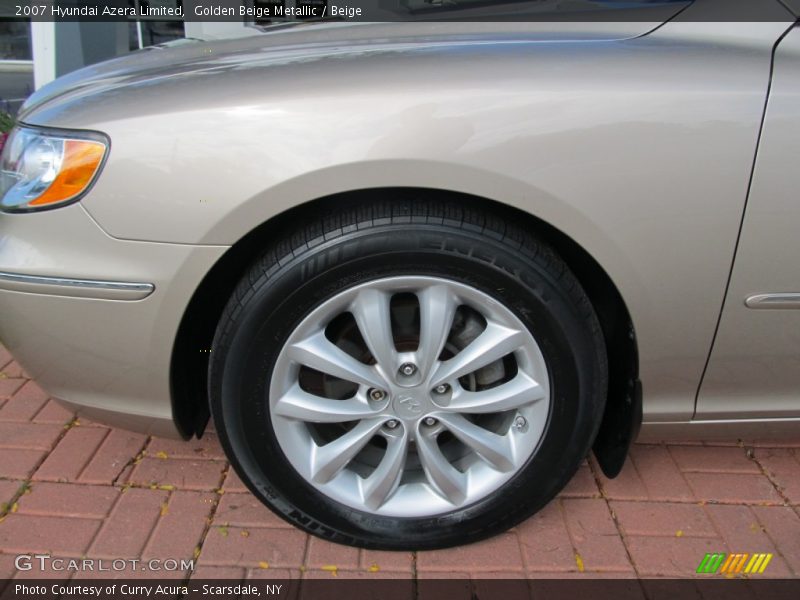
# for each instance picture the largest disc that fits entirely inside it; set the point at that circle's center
(43, 41)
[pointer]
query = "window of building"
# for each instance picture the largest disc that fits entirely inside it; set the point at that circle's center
(15, 40)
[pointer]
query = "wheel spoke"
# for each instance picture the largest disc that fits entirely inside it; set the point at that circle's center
(319, 353)
(495, 342)
(436, 309)
(382, 483)
(372, 312)
(299, 404)
(521, 390)
(328, 460)
(494, 449)
(444, 477)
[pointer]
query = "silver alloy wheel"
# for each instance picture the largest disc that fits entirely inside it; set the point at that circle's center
(414, 428)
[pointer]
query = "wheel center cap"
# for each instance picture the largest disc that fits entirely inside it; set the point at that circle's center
(410, 404)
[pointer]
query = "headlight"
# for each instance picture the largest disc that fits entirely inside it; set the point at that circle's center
(42, 169)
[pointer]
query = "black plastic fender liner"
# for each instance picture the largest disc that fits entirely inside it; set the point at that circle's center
(619, 429)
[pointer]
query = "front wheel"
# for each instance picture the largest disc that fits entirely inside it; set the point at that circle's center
(407, 381)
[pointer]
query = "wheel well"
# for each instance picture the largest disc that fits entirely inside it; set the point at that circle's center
(196, 331)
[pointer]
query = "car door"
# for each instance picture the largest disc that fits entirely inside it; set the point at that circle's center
(754, 367)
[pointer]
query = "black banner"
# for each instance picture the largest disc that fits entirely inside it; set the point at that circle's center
(265, 12)
(404, 589)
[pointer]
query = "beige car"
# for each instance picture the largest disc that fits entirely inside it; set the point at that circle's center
(415, 272)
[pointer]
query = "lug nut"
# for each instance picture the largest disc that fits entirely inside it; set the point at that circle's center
(392, 424)
(442, 388)
(520, 422)
(408, 369)
(430, 421)
(376, 394)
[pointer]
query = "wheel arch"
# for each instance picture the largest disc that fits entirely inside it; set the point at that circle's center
(189, 363)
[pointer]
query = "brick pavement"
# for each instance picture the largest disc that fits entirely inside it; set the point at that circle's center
(77, 489)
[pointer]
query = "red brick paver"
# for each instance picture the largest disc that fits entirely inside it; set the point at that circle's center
(664, 519)
(546, 545)
(117, 451)
(65, 500)
(24, 403)
(254, 547)
(72, 454)
(180, 526)
(178, 473)
(501, 554)
(598, 544)
(783, 528)
(63, 536)
(16, 463)
(8, 387)
(130, 524)
(780, 465)
(72, 488)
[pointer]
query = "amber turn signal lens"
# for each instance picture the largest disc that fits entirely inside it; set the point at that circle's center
(82, 159)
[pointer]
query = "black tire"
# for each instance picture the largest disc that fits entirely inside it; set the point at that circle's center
(359, 242)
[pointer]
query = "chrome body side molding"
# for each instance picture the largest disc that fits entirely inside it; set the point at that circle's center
(83, 288)
(773, 301)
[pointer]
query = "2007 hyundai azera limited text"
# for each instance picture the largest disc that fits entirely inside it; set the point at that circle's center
(416, 271)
